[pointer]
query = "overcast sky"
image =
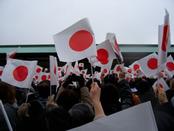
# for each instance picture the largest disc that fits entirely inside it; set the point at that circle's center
(36, 21)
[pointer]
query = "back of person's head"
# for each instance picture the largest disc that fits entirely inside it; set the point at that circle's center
(81, 113)
(111, 78)
(68, 97)
(44, 88)
(110, 99)
(143, 86)
(31, 117)
(36, 109)
(146, 92)
(109, 93)
(7, 93)
(57, 119)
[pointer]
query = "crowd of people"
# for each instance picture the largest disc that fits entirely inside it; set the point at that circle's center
(78, 101)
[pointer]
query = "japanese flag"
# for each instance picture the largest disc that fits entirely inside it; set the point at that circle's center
(1, 70)
(169, 66)
(119, 68)
(135, 66)
(149, 64)
(164, 39)
(76, 42)
(105, 55)
(38, 69)
(53, 71)
(161, 82)
(19, 73)
(42, 76)
(112, 39)
(104, 72)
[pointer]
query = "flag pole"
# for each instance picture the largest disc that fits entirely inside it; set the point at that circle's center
(92, 71)
(5, 116)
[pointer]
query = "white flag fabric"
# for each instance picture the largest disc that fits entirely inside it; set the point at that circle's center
(112, 39)
(169, 66)
(105, 55)
(76, 42)
(136, 118)
(76, 68)
(149, 65)
(19, 72)
(161, 83)
(53, 71)
(164, 41)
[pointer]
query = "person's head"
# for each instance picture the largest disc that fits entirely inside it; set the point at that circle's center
(111, 78)
(7, 93)
(68, 97)
(109, 93)
(57, 119)
(81, 113)
(146, 92)
(44, 88)
(110, 99)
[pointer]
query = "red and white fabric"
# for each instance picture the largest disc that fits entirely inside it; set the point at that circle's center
(104, 72)
(149, 65)
(135, 66)
(118, 68)
(76, 42)
(112, 39)
(1, 70)
(11, 54)
(44, 76)
(169, 66)
(19, 72)
(105, 55)
(164, 40)
(161, 83)
(53, 71)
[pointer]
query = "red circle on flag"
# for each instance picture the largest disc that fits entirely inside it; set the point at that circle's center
(1, 72)
(38, 70)
(170, 66)
(20, 73)
(81, 40)
(105, 71)
(118, 68)
(136, 67)
(102, 56)
(152, 63)
(44, 77)
(129, 70)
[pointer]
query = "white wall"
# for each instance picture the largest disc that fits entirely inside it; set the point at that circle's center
(35, 21)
